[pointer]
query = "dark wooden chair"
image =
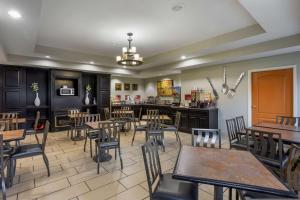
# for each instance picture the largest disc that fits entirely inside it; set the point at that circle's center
(293, 121)
(91, 134)
(30, 150)
(35, 127)
(137, 126)
(106, 113)
(292, 177)
(236, 141)
(4, 125)
(240, 122)
(154, 130)
(268, 148)
(163, 186)
(206, 138)
(11, 116)
(175, 127)
(108, 138)
(3, 164)
(78, 124)
(71, 112)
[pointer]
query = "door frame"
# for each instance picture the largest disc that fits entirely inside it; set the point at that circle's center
(295, 89)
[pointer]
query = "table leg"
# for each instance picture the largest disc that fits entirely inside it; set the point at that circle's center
(218, 193)
(78, 136)
(103, 156)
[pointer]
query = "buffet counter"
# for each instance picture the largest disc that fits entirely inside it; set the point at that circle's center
(206, 118)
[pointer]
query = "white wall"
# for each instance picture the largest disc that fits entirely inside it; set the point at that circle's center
(239, 104)
(117, 79)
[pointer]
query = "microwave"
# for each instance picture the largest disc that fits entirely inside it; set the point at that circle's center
(66, 91)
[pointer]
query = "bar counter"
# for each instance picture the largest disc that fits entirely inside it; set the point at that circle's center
(190, 117)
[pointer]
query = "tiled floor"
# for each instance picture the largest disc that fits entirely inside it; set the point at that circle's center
(74, 175)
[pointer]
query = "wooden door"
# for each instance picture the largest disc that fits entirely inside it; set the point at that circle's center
(272, 95)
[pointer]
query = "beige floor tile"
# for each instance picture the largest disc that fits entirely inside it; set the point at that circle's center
(44, 190)
(135, 193)
(20, 187)
(67, 193)
(104, 192)
(134, 179)
(54, 177)
(84, 176)
(132, 169)
(40, 173)
(104, 179)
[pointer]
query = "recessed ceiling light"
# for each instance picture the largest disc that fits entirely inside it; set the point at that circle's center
(92, 62)
(183, 57)
(124, 67)
(14, 14)
(47, 56)
(178, 7)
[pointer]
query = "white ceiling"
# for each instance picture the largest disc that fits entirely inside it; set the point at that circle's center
(77, 31)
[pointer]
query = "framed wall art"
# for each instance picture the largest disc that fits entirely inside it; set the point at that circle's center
(135, 87)
(118, 86)
(126, 86)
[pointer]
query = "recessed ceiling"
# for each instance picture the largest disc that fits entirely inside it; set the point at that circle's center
(94, 31)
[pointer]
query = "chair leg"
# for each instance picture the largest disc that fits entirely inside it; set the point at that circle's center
(91, 147)
(133, 137)
(236, 195)
(85, 140)
(98, 159)
(115, 154)
(3, 185)
(46, 163)
(230, 193)
(120, 157)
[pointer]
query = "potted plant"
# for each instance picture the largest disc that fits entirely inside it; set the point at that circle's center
(35, 88)
(87, 91)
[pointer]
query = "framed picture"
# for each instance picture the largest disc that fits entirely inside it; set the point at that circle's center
(165, 88)
(118, 86)
(127, 86)
(135, 87)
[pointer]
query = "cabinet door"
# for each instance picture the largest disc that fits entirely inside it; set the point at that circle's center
(104, 82)
(194, 121)
(13, 77)
(104, 99)
(184, 122)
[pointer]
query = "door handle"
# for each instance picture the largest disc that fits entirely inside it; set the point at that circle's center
(253, 107)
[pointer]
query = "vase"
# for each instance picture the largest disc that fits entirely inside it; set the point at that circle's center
(37, 101)
(87, 100)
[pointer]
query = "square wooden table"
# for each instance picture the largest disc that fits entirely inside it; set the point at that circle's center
(278, 126)
(288, 137)
(13, 135)
(227, 168)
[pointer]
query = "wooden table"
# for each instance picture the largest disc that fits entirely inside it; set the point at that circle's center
(227, 168)
(278, 126)
(14, 135)
(19, 120)
(288, 137)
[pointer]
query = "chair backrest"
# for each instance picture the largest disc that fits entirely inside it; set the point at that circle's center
(79, 119)
(232, 130)
(92, 118)
(294, 121)
(240, 122)
(177, 119)
(4, 125)
(109, 131)
(153, 123)
(106, 113)
(73, 111)
(152, 114)
(152, 163)
(293, 168)
(45, 135)
(37, 119)
(206, 137)
(265, 144)
(11, 116)
(125, 108)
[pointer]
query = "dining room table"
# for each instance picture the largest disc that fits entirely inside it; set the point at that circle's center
(287, 136)
(227, 168)
(278, 126)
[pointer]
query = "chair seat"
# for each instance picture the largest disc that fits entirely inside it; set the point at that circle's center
(172, 189)
(241, 144)
(107, 144)
(154, 132)
(28, 151)
(30, 132)
(257, 195)
(271, 162)
(170, 128)
(140, 128)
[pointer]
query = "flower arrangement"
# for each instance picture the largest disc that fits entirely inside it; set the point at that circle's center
(88, 88)
(35, 87)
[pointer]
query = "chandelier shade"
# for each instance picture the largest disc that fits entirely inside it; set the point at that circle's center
(129, 56)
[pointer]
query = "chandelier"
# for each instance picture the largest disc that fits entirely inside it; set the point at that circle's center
(129, 56)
